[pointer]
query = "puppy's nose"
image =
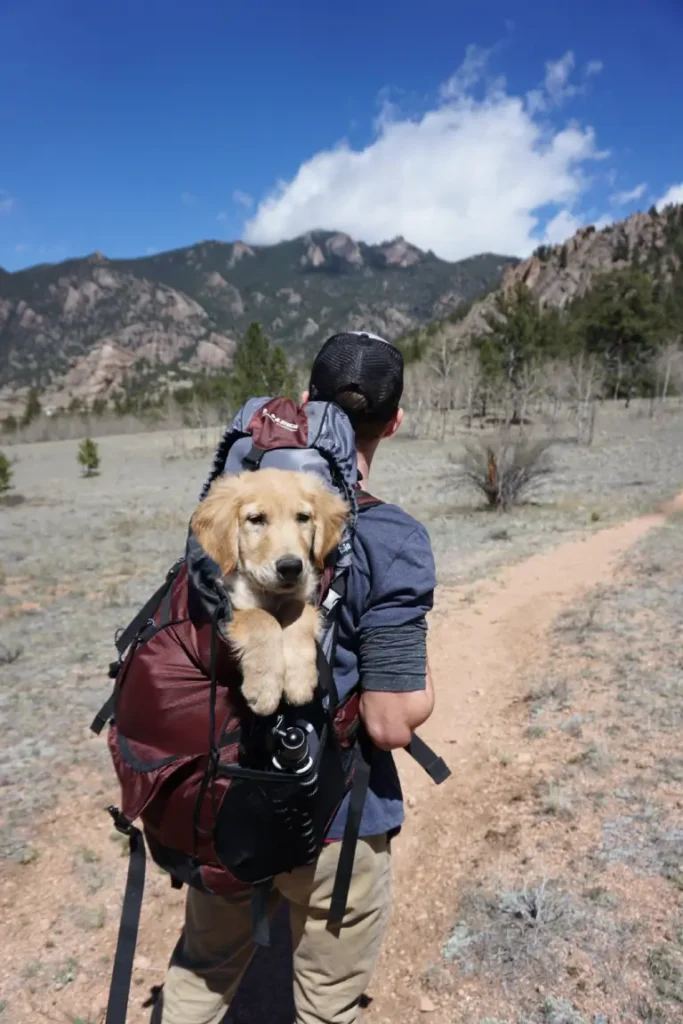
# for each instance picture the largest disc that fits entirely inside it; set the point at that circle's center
(289, 568)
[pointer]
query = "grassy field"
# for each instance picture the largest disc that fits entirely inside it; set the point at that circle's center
(588, 862)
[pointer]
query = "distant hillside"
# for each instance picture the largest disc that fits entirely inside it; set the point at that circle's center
(83, 328)
(560, 275)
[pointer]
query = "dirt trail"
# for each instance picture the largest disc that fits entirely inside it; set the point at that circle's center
(485, 640)
(482, 647)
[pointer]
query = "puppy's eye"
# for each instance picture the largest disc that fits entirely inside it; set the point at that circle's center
(303, 517)
(256, 519)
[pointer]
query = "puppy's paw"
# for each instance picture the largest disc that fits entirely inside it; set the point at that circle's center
(262, 693)
(301, 680)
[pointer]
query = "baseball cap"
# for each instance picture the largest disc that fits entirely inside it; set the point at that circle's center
(356, 361)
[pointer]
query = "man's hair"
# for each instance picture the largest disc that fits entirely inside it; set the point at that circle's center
(363, 374)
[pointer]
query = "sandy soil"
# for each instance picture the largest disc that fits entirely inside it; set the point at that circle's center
(490, 643)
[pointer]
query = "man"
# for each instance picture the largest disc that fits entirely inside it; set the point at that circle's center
(381, 647)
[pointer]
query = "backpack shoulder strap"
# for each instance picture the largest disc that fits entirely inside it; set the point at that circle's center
(365, 500)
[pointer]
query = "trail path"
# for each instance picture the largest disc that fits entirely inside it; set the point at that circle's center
(484, 642)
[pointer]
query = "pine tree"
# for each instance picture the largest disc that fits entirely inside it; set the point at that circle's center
(32, 408)
(89, 456)
(251, 366)
(5, 475)
(621, 320)
(281, 378)
(260, 368)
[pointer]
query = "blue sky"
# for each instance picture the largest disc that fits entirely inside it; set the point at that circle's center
(143, 125)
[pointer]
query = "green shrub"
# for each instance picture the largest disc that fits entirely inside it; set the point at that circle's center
(89, 457)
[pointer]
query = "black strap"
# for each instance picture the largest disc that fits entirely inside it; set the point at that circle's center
(128, 635)
(252, 460)
(161, 597)
(325, 676)
(342, 881)
(260, 921)
(103, 715)
(364, 500)
(435, 766)
(119, 989)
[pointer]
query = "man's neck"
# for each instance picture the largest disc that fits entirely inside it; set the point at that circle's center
(364, 461)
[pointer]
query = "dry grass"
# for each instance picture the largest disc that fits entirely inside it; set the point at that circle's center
(604, 938)
(80, 557)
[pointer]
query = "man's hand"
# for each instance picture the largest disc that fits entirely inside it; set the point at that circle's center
(391, 718)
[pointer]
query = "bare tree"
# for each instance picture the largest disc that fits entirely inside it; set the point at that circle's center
(443, 365)
(586, 382)
(669, 366)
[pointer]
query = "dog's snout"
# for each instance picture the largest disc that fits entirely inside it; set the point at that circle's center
(289, 568)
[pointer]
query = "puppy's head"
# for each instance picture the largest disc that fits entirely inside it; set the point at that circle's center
(275, 527)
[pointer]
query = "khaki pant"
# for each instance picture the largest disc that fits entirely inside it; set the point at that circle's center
(331, 968)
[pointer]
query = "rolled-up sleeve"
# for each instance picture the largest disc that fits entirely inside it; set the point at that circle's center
(393, 627)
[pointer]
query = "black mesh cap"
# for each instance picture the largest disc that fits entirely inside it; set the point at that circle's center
(360, 362)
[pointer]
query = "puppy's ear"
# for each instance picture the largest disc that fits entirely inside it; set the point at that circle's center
(330, 514)
(215, 523)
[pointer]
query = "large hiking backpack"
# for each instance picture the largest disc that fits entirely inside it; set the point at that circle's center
(229, 800)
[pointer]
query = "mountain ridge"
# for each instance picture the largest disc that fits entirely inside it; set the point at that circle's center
(81, 328)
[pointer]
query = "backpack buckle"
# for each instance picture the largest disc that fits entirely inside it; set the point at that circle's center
(121, 823)
(114, 668)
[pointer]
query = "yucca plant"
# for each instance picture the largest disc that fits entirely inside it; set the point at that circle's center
(504, 470)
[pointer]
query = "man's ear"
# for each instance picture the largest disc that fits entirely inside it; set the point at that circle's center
(215, 523)
(330, 516)
(393, 424)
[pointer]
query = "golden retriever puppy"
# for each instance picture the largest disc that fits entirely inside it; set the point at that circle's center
(270, 532)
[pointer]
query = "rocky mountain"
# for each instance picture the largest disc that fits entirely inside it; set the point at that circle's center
(557, 275)
(85, 327)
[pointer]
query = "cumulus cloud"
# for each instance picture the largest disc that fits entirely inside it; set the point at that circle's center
(7, 202)
(242, 199)
(629, 195)
(671, 196)
(563, 225)
(481, 170)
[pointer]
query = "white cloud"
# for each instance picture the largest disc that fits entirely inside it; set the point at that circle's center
(188, 198)
(671, 196)
(561, 227)
(557, 75)
(469, 175)
(629, 195)
(593, 67)
(222, 216)
(7, 202)
(242, 199)
(468, 74)
(22, 247)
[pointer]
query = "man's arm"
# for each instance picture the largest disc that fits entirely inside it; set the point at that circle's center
(390, 718)
(397, 694)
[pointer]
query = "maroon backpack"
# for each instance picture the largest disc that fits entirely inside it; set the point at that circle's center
(228, 800)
